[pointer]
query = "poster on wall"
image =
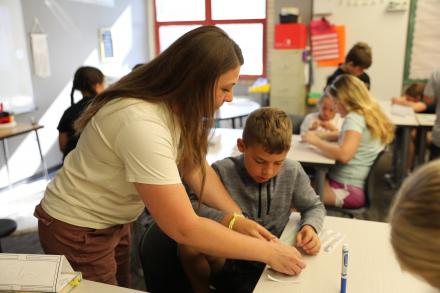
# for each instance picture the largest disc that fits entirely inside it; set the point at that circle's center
(40, 54)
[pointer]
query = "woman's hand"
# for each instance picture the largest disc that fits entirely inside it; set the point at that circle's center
(253, 229)
(286, 259)
(308, 240)
(310, 137)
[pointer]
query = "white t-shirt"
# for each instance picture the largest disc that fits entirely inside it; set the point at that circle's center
(310, 118)
(127, 140)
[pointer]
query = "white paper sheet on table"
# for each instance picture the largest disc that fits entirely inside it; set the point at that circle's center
(35, 272)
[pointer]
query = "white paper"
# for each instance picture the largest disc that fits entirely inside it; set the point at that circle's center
(40, 54)
(282, 278)
(330, 240)
(401, 110)
(34, 272)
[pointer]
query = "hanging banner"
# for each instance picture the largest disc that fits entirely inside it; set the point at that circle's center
(340, 31)
(40, 54)
(324, 40)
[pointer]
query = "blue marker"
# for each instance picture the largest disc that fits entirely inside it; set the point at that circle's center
(344, 268)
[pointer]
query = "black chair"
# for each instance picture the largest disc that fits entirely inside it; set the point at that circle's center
(7, 227)
(368, 192)
(163, 271)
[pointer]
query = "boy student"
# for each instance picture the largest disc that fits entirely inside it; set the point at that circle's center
(356, 62)
(266, 186)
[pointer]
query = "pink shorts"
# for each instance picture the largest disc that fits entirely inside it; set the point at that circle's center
(347, 196)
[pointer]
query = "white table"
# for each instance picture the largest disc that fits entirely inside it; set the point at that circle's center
(400, 152)
(87, 286)
(239, 108)
(426, 122)
(226, 146)
(16, 130)
(372, 266)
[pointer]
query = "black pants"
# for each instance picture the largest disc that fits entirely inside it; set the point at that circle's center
(434, 152)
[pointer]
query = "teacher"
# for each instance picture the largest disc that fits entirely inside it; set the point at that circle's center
(139, 139)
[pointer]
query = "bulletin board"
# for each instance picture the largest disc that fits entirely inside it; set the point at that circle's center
(423, 40)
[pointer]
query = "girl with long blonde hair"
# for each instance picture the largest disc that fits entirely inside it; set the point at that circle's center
(139, 139)
(365, 132)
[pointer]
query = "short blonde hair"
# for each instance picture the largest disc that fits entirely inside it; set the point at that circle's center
(354, 95)
(415, 223)
(270, 127)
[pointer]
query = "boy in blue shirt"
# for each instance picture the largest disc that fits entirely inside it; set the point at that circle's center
(266, 186)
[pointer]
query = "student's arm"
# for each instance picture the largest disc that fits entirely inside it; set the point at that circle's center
(332, 135)
(416, 106)
(329, 126)
(242, 225)
(307, 202)
(343, 152)
(63, 138)
(215, 194)
(172, 210)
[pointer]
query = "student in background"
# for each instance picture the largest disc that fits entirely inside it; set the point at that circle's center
(415, 223)
(364, 133)
(326, 121)
(139, 139)
(413, 98)
(267, 186)
(432, 93)
(358, 59)
(90, 82)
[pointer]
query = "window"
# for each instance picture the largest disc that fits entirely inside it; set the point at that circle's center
(243, 20)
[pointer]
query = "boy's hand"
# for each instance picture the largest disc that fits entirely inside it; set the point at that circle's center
(252, 228)
(308, 240)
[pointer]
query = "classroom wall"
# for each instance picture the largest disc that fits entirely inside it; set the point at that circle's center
(72, 29)
(385, 32)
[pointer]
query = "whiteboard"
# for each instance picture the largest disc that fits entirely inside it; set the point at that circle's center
(16, 91)
(423, 45)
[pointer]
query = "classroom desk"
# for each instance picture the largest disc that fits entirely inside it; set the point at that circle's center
(226, 146)
(372, 266)
(426, 122)
(87, 286)
(239, 108)
(400, 151)
(19, 129)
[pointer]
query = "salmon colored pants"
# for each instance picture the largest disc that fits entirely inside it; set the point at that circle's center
(101, 255)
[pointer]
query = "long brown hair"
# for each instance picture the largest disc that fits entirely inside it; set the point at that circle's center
(354, 95)
(184, 78)
(85, 79)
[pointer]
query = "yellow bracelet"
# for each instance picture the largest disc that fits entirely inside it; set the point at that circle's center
(233, 219)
